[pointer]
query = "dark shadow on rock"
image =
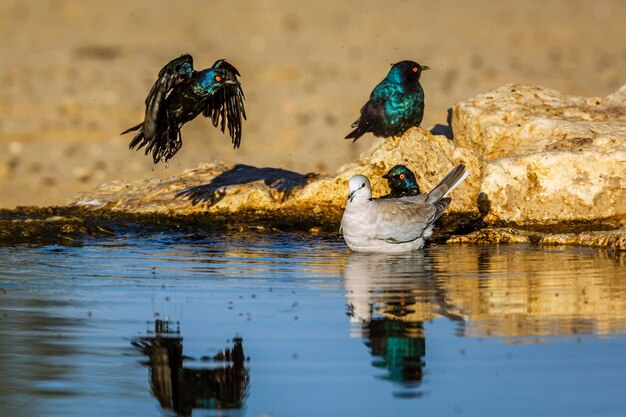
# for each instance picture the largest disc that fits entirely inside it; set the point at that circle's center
(444, 130)
(484, 204)
(281, 180)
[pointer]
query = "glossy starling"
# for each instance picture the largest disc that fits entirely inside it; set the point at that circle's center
(180, 94)
(402, 182)
(395, 105)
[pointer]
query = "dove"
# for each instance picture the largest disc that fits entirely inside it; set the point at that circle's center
(394, 225)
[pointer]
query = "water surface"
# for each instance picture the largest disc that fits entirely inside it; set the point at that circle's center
(282, 324)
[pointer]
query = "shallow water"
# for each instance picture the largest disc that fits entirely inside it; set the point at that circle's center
(303, 327)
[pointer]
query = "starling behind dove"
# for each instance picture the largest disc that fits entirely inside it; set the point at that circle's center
(180, 94)
(402, 182)
(394, 225)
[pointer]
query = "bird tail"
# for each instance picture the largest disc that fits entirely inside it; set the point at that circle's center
(456, 176)
(162, 146)
(139, 141)
(356, 133)
(132, 129)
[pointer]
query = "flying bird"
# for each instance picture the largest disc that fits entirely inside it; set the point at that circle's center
(181, 93)
(394, 225)
(402, 182)
(395, 105)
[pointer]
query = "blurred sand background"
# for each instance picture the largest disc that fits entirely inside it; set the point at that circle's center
(73, 74)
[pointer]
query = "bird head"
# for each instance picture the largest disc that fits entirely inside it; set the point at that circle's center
(213, 79)
(400, 177)
(360, 188)
(406, 71)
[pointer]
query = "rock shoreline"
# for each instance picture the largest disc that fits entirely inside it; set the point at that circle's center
(544, 168)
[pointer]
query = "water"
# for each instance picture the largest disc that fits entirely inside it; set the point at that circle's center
(300, 326)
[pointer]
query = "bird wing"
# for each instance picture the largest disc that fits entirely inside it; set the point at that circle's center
(372, 113)
(172, 74)
(404, 220)
(225, 106)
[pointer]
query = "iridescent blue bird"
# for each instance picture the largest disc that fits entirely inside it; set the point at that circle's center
(402, 182)
(395, 105)
(179, 95)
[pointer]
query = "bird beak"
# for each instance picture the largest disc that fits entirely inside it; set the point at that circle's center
(386, 176)
(351, 196)
(424, 68)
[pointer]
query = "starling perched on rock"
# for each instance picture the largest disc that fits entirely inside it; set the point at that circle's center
(402, 182)
(179, 95)
(395, 105)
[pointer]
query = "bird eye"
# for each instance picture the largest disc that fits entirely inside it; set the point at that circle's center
(218, 78)
(362, 185)
(414, 69)
(402, 176)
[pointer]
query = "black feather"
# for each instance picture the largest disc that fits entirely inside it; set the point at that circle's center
(178, 95)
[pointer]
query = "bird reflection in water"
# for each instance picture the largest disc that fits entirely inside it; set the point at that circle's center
(183, 389)
(388, 299)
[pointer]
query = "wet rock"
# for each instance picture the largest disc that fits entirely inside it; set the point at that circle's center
(43, 230)
(611, 239)
(496, 236)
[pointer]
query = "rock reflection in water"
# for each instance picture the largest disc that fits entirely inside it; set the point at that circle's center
(184, 389)
(520, 292)
(388, 298)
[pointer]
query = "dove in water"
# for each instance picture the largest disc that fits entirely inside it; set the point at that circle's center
(394, 224)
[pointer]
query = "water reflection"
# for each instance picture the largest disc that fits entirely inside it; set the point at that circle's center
(513, 291)
(504, 291)
(183, 389)
(516, 293)
(389, 297)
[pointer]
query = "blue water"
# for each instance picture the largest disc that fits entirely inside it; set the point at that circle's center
(453, 330)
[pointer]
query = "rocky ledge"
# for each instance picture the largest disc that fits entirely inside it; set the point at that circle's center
(544, 168)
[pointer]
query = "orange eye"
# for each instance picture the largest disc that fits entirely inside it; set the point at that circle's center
(402, 176)
(218, 78)
(414, 69)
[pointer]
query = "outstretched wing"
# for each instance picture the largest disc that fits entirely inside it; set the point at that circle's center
(172, 74)
(225, 107)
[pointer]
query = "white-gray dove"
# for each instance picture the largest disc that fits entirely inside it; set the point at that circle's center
(394, 225)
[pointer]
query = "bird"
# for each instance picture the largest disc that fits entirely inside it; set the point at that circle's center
(402, 182)
(395, 105)
(394, 225)
(181, 93)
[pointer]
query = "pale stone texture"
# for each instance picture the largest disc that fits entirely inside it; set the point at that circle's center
(519, 120)
(548, 157)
